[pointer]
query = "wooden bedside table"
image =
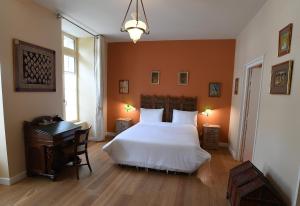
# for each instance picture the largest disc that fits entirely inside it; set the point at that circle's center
(123, 124)
(211, 134)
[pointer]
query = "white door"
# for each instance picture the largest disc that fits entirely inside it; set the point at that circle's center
(252, 102)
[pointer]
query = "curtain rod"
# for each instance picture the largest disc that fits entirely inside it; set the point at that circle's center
(59, 16)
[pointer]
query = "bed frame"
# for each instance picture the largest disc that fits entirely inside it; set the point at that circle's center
(169, 103)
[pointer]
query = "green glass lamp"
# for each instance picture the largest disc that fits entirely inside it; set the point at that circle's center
(207, 112)
(129, 108)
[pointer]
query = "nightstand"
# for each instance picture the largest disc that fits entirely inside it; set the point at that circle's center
(211, 134)
(123, 124)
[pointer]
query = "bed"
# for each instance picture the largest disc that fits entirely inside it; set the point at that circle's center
(161, 145)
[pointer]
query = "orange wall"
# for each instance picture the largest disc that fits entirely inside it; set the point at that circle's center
(205, 60)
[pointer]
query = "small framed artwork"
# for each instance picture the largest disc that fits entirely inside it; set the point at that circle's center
(155, 77)
(285, 39)
(281, 79)
(183, 78)
(34, 68)
(214, 89)
(236, 86)
(124, 86)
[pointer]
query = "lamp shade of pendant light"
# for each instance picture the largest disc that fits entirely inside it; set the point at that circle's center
(138, 24)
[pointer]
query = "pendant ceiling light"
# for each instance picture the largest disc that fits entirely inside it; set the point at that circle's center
(138, 23)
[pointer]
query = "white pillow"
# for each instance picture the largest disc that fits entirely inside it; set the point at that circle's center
(185, 117)
(151, 115)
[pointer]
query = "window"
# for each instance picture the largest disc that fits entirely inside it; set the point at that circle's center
(69, 43)
(70, 78)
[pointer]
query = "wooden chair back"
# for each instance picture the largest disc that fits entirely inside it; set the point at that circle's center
(81, 140)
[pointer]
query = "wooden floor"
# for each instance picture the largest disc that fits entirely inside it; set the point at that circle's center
(112, 185)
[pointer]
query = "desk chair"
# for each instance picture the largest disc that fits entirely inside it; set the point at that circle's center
(80, 147)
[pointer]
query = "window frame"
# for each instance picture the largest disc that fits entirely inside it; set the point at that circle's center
(72, 53)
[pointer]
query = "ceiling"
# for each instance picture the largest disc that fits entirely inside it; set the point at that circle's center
(168, 19)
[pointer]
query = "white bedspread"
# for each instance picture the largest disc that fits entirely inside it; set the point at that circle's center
(163, 146)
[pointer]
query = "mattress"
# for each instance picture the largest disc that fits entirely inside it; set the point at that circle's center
(162, 146)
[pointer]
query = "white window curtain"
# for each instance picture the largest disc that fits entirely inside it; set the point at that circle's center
(100, 64)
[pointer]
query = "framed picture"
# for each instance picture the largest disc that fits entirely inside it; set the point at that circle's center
(236, 86)
(214, 89)
(124, 86)
(285, 39)
(155, 77)
(183, 78)
(34, 68)
(282, 78)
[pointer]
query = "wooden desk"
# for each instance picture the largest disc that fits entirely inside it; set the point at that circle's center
(44, 146)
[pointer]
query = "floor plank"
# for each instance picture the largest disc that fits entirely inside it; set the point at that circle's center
(112, 185)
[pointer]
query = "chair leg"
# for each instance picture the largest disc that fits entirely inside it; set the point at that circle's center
(87, 161)
(76, 167)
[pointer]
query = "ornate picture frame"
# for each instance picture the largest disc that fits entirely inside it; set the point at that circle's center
(124, 86)
(155, 77)
(281, 79)
(214, 89)
(34, 68)
(183, 78)
(285, 39)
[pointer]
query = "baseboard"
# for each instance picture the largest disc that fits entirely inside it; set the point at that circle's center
(4, 181)
(223, 144)
(232, 152)
(297, 191)
(13, 180)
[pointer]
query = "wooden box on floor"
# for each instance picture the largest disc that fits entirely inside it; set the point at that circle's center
(247, 186)
(258, 192)
(237, 172)
(240, 180)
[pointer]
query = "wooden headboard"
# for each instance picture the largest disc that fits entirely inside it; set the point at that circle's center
(169, 103)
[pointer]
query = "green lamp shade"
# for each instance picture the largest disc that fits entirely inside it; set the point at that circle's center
(207, 112)
(129, 108)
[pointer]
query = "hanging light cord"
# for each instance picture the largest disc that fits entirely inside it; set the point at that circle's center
(137, 12)
(122, 29)
(148, 32)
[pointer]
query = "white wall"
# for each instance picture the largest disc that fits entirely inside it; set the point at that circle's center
(277, 150)
(86, 81)
(31, 23)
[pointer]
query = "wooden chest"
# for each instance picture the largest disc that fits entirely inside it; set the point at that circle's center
(234, 172)
(247, 186)
(258, 192)
(240, 180)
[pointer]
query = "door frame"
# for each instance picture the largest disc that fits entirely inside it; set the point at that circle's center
(241, 139)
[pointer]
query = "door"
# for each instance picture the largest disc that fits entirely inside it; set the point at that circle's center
(251, 112)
